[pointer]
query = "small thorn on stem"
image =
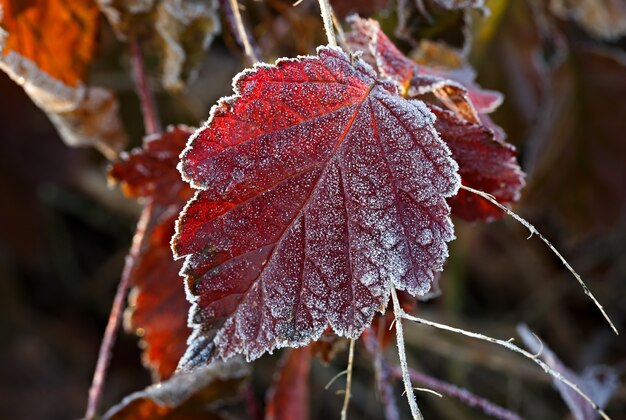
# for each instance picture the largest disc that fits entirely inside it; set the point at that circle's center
(334, 378)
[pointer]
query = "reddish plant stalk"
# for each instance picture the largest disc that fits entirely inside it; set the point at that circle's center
(384, 378)
(151, 121)
(251, 403)
(115, 317)
(461, 394)
(385, 373)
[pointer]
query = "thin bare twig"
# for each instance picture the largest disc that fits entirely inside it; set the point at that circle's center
(151, 121)
(326, 11)
(408, 388)
(509, 345)
(337, 24)
(461, 394)
(383, 374)
(115, 317)
(334, 378)
(534, 231)
(243, 33)
(348, 393)
(254, 411)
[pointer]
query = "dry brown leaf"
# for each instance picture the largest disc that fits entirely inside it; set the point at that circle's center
(197, 394)
(183, 29)
(52, 72)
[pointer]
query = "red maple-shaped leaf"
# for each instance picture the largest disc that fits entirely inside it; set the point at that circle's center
(289, 396)
(150, 171)
(158, 308)
(485, 161)
(319, 189)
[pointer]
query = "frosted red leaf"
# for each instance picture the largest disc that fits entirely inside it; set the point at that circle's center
(319, 189)
(289, 396)
(150, 170)
(158, 308)
(485, 164)
(485, 161)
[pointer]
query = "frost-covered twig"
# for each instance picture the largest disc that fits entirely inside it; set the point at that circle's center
(383, 374)
(507, 344)
(534, 231)
(328, 22)
(461, 394)
(408, 388)
(348, 393)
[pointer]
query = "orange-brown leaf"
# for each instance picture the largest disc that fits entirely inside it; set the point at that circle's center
(46, 47)
(158, 309)
(59, 36)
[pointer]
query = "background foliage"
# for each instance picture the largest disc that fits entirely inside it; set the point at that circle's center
(64, 234)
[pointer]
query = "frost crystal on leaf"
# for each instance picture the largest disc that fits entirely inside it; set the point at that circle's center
(319, 189)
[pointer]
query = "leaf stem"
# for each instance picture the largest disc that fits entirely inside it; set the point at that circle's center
(348, 394)
(398, 313)
(242, 32)
(151, 121)
(337, 25)
(507, 344)
(328, 22)
(461, 394)
(534, 231)
(383, 374)
(115, 317)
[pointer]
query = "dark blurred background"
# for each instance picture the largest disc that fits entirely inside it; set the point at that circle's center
(64, 233)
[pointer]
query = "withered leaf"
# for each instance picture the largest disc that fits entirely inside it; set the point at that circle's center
(46, 47)
(183, 30)
(194, 395)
